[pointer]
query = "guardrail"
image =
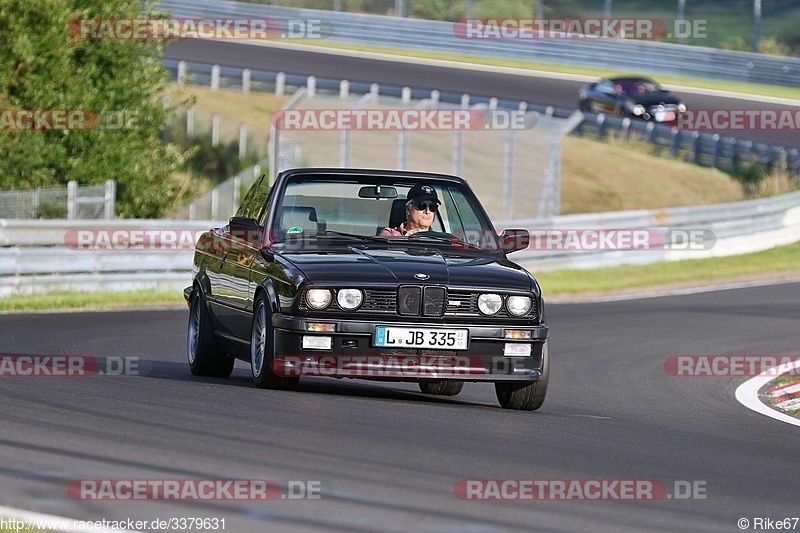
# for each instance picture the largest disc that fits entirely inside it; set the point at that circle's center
(702, 148)
(35, 259)
(418, 34)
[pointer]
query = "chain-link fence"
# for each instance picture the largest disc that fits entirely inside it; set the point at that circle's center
(71, 202)
(221, 202)
(510, 158)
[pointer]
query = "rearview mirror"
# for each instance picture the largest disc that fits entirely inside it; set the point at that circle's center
(377, 191)
(512, 240)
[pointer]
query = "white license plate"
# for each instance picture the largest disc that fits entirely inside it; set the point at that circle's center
(666, 116)
(443, 339)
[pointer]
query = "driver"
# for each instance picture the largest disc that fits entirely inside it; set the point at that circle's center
(420, 212)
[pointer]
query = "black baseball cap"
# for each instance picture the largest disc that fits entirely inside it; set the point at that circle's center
(422, 193)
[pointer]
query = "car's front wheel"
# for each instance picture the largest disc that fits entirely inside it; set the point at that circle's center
(206, 357)
(262, 350)
(444, 387)
(522, 396)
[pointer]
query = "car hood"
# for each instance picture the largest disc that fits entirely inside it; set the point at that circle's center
(662, 97)
(365, 264)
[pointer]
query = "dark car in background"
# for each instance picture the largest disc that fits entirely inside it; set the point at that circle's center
(631, 97)
(300, 284)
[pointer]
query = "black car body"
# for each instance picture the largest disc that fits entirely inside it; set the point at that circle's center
(300, 284)
(631, 97)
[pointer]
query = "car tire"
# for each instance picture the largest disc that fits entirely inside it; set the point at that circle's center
(444, 387)
(206, 357)
(262, 350)
(526, 396)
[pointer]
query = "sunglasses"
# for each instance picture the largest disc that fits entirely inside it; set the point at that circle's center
(422, 206)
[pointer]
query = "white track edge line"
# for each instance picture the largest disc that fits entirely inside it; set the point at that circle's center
(747, 395)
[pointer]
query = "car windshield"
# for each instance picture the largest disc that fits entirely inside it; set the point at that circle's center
(634, 87)
(360, 208)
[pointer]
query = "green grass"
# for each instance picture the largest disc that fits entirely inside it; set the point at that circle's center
(781, 259)
(87, 300)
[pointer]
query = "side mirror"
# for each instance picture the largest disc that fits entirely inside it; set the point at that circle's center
(246, 229)
(512, 240)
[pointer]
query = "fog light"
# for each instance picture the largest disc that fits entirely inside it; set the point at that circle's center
(317, 342)
(517, 334)
(516, 349)
(320, 326)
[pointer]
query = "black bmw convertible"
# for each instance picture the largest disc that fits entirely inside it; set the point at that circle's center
(300, 283)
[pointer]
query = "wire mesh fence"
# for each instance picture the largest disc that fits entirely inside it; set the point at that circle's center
(71, 202)
(514, 171)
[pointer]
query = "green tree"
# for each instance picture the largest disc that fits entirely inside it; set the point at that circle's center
(44, 66)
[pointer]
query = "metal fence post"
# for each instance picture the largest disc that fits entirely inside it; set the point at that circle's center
(601, 120)
(715, 153)
(181, 72)
(215, 204)
(36, 202)
(626, 128)
(237, 192)
(402, 149)
(676, 142)
(405, 95)
(344, 89)
(344, 148)
(109, 199)
(72, 192)
(215, 70)
(214, 130)
(696, 143)
(311, 85)
(435, 98)
(190, 122)
(242, 140)
(375, 90)
(246, 74)
(280, 84)
(508, 174)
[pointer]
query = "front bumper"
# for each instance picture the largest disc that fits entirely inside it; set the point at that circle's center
(353, 354)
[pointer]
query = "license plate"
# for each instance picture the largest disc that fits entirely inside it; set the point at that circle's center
(666, 116)
(444, 339)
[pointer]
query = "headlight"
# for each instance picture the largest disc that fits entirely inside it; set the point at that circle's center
(318, 298)
(349, 299)
(519, 305)
(639, 110)
(489, 304)
(682, 108)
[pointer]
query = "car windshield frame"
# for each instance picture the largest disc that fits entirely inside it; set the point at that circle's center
(460, 212)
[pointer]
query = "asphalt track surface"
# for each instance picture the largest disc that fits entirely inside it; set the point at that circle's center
(388, 456)
(544, 91)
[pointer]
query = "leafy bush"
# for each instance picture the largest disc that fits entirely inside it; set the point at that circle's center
(44, 67)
